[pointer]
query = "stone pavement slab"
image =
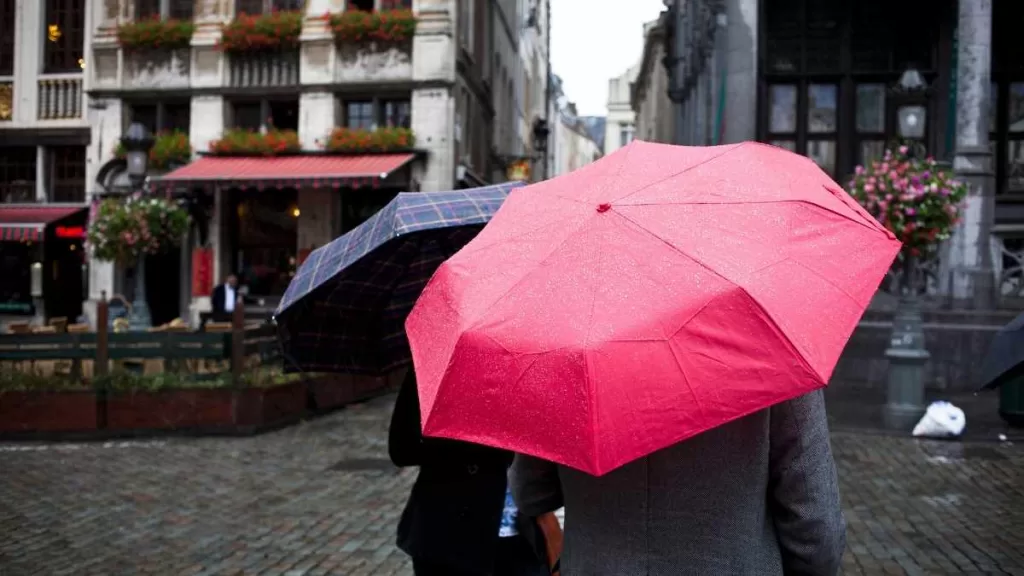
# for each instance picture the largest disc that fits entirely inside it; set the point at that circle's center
(321, 499)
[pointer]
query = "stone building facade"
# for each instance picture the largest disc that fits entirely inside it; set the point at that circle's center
(620, 124)
(447, 86)
(821, 77)
(649, 97)
(44, 132)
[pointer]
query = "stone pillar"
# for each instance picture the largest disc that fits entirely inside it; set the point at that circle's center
(319, 213)
(741, 71)
(207, 121)
(968, 266)
(433, 109)
(29, 35)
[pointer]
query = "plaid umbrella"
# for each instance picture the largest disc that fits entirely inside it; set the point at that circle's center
(345, 309)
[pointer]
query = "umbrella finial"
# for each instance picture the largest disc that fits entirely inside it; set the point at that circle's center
(604, 207)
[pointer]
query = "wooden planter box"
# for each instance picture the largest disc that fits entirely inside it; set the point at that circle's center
(273, 406)
(170, 409)
(59, 411)
(336, 390)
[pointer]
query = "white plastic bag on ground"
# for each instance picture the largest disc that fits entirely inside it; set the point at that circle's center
(941, 420)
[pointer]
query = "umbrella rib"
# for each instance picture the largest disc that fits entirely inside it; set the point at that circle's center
(783, 201)
(528, 273)
(683, 171)
(592, 405)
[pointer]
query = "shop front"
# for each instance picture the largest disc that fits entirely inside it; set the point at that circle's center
(268, 214)
(42, 261)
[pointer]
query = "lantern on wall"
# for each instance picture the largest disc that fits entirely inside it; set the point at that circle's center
(910, 95)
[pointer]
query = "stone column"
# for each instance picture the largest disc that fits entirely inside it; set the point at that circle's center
(969, 261)
(433, 109)
(741, 71)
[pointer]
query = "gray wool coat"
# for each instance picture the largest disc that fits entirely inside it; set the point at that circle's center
(758, 495)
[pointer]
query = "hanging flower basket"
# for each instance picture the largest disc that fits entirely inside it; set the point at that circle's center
(252, 143)
(155, 34)
(275, 31)
(912, 197)
(348, 140)
(395, 26)
(122, 230)
(169, 149)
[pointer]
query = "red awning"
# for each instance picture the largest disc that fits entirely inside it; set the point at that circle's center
(26, 223)
(367, 169)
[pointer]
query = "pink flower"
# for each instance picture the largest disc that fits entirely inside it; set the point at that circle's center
(859, 169)
(909, 211)
(869, 188)
(903, 149)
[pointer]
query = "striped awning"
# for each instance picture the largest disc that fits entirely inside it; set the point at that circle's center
(23, 223)
(309, 170)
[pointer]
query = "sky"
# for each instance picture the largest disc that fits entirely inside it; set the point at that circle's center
(593, 41)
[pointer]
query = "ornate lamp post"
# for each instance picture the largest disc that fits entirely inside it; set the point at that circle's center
(138, 142)
(907, 353)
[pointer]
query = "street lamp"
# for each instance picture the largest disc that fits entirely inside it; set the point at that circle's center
(137, 143)
(907, 353)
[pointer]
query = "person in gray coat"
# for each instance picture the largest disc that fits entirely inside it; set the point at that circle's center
(758, 495)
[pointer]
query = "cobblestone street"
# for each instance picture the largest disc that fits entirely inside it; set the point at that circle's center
(321, 498)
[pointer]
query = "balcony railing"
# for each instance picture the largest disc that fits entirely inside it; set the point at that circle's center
(60, 97)
(264, 70)
(156, 69)
(6, 99)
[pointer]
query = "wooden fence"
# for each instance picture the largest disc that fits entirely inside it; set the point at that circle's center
(235, 347)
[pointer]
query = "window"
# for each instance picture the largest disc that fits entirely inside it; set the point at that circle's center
(67, 173)
(364, 5)
(626, 133)
(396, 113)
(369, 114)
(359, 115)
(395, 4)
(64, 34)
(7, 37)
(266, 6)
(160, 116)
(17, 174)
(178, 9)
(265, 114)
(828, 69)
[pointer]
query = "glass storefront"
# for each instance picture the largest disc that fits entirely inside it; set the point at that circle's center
(264, 230)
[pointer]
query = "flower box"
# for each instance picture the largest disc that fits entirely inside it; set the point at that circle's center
(348, 140)
(275, 31)
(394, 26)
(47, 411)
(155, 34)
(251, 143)
(170, 409)
(270, 406)
(331, 391)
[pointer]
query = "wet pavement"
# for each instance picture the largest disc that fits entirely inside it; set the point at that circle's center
(321, 498)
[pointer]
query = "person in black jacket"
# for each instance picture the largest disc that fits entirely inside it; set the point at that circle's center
(450, 525)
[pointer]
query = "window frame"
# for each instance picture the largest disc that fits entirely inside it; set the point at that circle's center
(66, 54)
(378, 110)
(266, 6)
(165, 9)
(8, 51)
(12, 163)
(56, 162)
(265, 105)
(161, 121)
(846, 77)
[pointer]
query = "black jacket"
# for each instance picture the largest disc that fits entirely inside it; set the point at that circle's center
(455, 507)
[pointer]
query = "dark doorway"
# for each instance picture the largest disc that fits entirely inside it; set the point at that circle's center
(163, 286)
(264, 236)
(62, 278)
(359, 205)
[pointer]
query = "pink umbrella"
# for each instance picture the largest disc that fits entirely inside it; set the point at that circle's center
(648, 297)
